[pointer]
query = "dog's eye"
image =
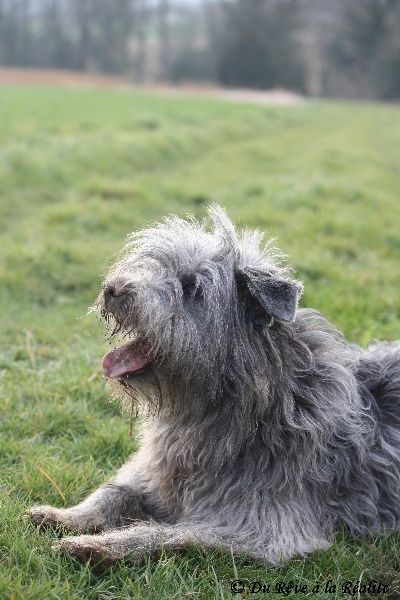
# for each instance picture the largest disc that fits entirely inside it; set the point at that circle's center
(191, 289)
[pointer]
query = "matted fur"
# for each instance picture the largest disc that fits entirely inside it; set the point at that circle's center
(263, 432)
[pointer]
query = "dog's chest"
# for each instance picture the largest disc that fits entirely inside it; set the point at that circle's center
(178, 468)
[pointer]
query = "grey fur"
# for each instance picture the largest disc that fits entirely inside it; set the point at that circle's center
(264, 431)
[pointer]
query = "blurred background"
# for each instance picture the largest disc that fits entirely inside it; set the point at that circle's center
(328, 48)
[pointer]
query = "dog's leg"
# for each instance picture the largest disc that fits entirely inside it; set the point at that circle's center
(148, 539)
(137, 541)
(115, 504)
(112, 505)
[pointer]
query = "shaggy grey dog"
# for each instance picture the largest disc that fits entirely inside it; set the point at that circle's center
(264, 431)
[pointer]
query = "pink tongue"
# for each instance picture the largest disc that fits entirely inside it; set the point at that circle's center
(123, 360)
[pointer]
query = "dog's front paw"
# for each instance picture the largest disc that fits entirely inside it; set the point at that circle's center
(100, 551)
(86, 549)
(69, 519)
(47, 516)
(95, 551)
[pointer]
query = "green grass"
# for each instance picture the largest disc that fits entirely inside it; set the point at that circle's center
(79, 170)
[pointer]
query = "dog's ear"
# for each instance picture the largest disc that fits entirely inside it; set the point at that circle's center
(278, 297)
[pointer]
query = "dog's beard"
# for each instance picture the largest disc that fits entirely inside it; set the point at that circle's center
(130, 369)
(138, 394)
(131, 354)
(145, 377)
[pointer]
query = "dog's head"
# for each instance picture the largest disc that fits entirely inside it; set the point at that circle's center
(194, 306)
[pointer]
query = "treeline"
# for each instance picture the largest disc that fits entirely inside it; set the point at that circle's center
(317, 47)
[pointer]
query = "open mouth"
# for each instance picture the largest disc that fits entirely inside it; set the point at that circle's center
(128, 358)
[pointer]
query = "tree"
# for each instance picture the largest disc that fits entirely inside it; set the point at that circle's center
(365, 53)
(258, 45)
(164, 41)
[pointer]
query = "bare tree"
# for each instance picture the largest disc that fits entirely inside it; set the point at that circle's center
(321, 47)
(141, 12)
(258, 46)
(164, 41)
(364, 55)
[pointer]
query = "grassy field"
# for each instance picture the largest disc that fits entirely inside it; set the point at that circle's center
(80, 169)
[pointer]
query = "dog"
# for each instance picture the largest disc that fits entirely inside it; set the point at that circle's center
(263, 432)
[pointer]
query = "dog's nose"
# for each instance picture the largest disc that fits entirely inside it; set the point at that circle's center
(112, 291)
